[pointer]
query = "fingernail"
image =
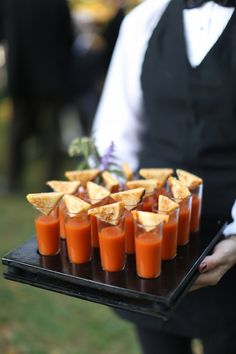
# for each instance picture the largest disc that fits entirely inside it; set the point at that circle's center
(202, 267)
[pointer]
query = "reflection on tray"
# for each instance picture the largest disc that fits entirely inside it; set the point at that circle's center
(172, 271)
(124, 290)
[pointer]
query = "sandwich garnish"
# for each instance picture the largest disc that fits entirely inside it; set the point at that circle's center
(148, 220)
(109, 213)
(165, 204)
(178, 189)
(159, 173)
(148, 184)
(130, 198)
(66, 187)
(75, 205)
(128, 173)
(82, 176)
(110, 181)
(44, 202)
(96, 192)
(188, 179)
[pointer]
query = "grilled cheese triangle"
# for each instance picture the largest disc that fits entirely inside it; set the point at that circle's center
(96, 192)
(188, 179)
(178, 189)
(75, 205)
(110, 213)
(82, 176)
(165, 204)
(110, 181)
(66, 187)
(128, 173)
(130, 198)
(148, 184)
(149, 220)
(44, 202)
(160, 173)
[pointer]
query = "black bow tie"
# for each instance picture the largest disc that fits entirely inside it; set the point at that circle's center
(191, 4)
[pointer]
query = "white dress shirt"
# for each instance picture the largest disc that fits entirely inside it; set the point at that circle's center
(119, 114)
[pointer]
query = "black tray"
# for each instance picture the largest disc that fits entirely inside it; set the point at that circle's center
(123, 290)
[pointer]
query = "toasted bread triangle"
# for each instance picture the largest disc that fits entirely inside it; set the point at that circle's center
(165, 204)
(178, 189)
(109, 213)
(96, 192)
(160, 173)
(83, 176)
(188, 179)
(109, 180)
(149, 220)
(127, 171)
(75, 205)
(148, 184)
(64, 186)
(44, 202)
(130, 198)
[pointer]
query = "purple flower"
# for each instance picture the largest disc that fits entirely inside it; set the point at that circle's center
(107, 157)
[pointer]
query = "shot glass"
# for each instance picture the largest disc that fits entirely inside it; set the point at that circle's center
(149, 201)
(62, 214)
(148, 251)
(129, 232)
(112, 245)
(93, 220)
(47, 233)
(170, 234)
(78, 238)
(185, 207)
(196, 208)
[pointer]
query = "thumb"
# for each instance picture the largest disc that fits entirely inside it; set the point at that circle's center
(209, 263)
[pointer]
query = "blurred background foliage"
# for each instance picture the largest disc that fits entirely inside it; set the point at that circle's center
(34, 321)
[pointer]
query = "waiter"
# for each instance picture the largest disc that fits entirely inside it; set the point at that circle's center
(170, 101)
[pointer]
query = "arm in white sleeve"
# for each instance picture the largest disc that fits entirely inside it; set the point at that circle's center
(120, 111)
(231, 228)
(118, 115)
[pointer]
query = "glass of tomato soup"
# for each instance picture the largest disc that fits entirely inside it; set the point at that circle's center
(93, 219)
(185, 209)
(48, 233)
(196, 208)
(62, 215)
(149, 201)
(170, 234)
(112, 244)
(78, 237)
(148, 244)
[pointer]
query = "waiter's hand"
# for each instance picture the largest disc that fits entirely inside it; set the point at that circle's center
(215, 266)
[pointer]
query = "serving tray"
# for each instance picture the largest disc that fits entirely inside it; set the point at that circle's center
(123, 290)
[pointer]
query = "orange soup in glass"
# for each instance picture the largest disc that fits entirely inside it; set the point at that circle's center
(148, 251)
(149, 201)
(185, 207)
(62, 214)
(112, 245)
(129, 233)
(78, 238)
(93, 220)
(170, 233)
(196, 208)
(47, 233)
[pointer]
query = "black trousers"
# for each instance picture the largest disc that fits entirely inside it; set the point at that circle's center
(156, 342)
(37, 117)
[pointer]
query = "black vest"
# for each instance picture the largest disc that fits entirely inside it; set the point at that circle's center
(190, 118)
(191, 124)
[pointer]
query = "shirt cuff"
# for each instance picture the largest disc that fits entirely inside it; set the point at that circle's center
(231, 228)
